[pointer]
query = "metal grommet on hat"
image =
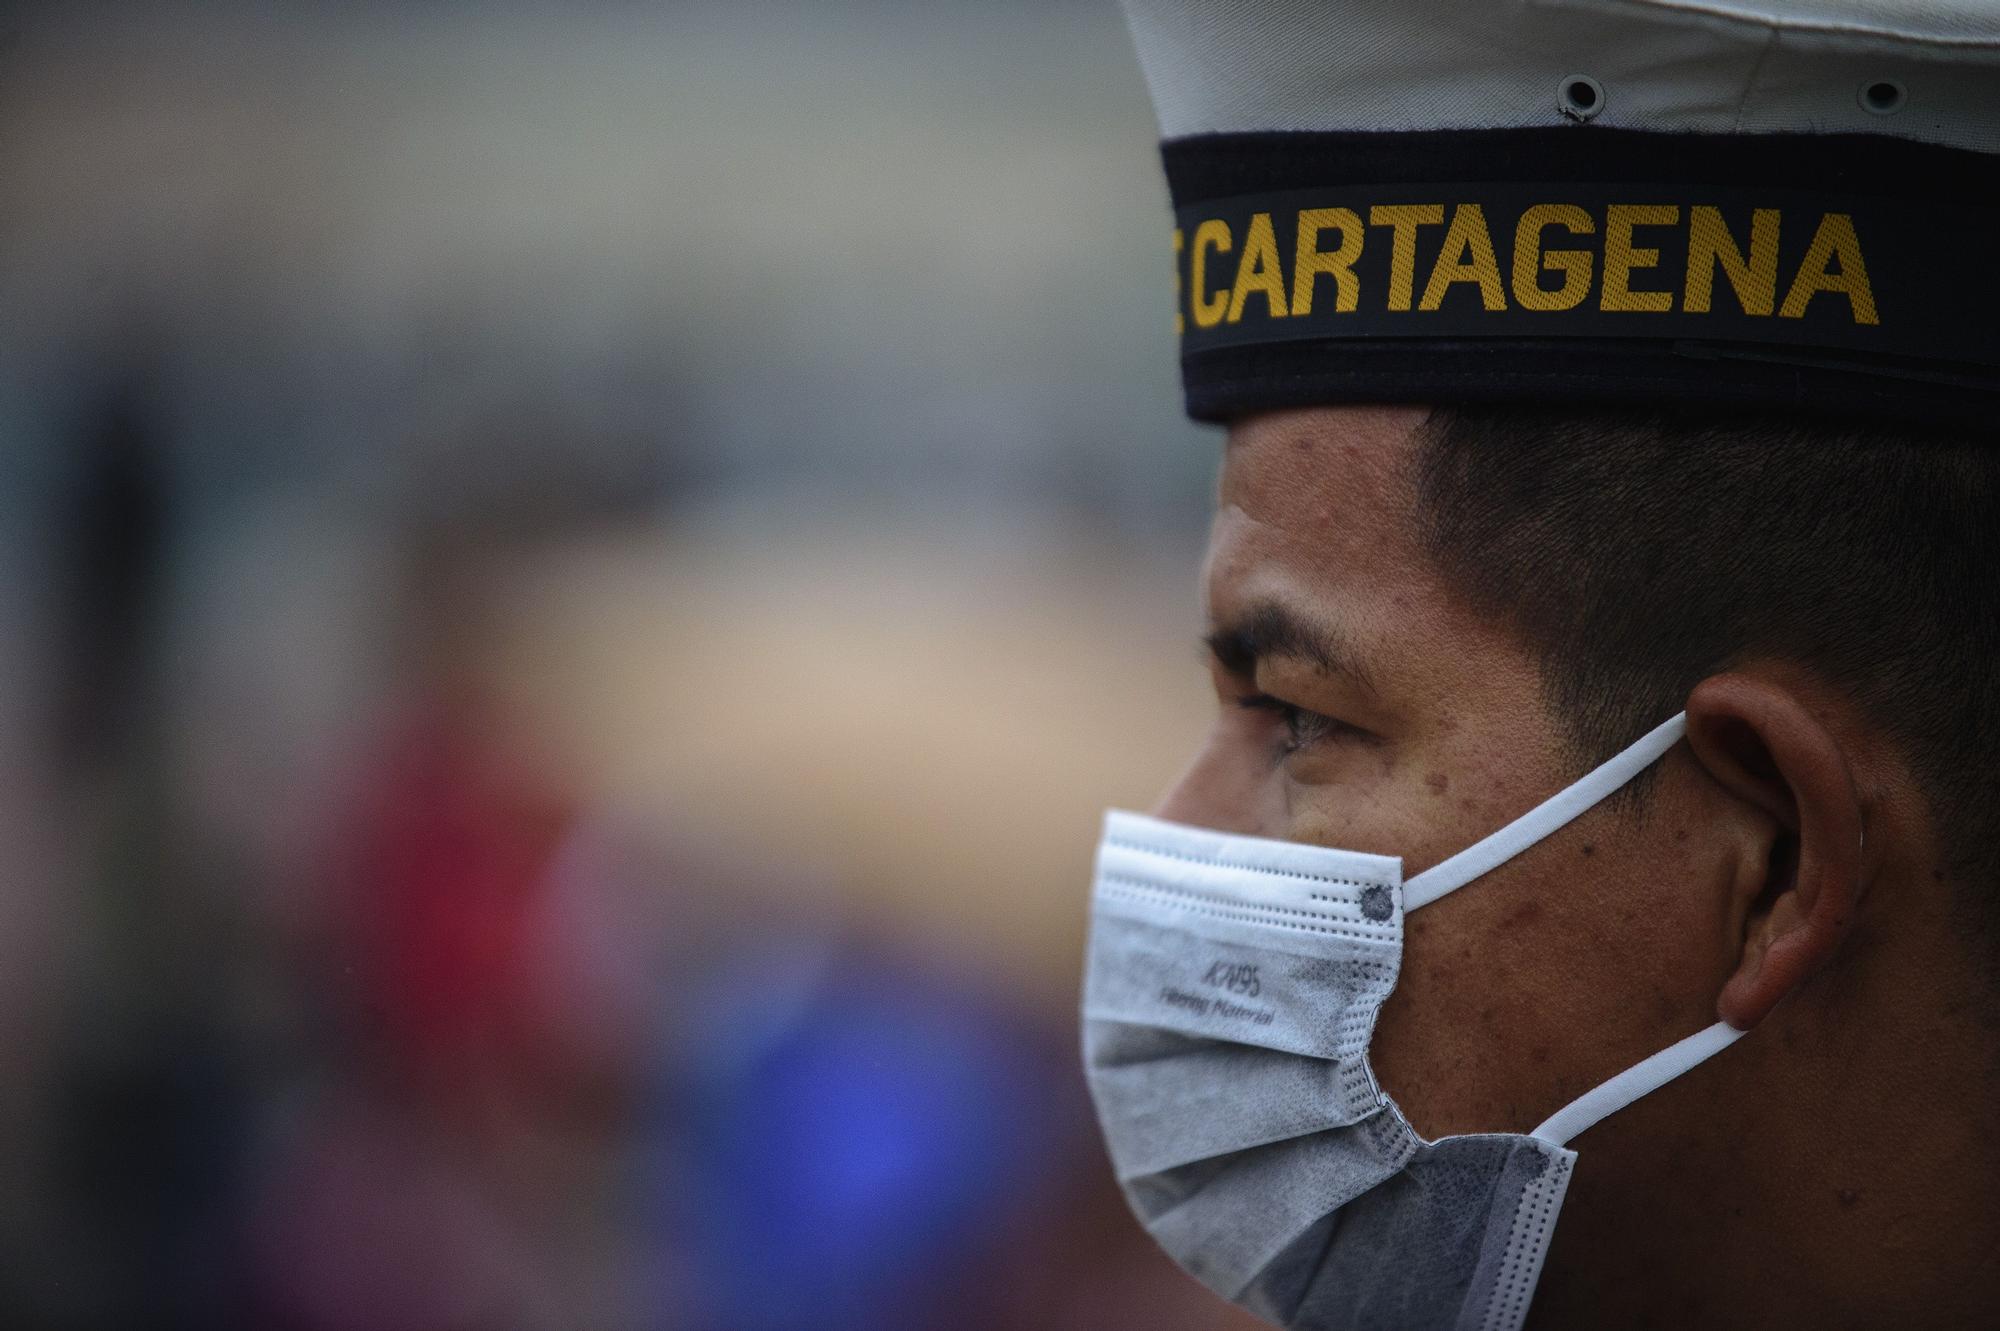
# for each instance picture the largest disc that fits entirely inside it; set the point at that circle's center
(1882, 97)
(1374, 203)
(1580, 97)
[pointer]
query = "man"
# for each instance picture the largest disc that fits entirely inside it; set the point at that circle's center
(1610, 393)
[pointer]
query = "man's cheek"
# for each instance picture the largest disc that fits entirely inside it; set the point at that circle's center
(1364, 797)
(1469, 1040)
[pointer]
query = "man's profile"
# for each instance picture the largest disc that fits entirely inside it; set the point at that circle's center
(1583, 909)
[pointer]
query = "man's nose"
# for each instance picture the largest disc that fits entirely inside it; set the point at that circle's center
(1218, 791)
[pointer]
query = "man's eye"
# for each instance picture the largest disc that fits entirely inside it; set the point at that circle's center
(1302, 728)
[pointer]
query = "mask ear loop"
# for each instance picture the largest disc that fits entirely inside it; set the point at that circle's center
(1642, 1078)
(1555, 812)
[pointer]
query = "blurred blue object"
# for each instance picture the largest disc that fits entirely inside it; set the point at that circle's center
(872, 1141)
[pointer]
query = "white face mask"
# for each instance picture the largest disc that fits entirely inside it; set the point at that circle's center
(1231, 991)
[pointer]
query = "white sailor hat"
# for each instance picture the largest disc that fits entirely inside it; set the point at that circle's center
(1789, 204)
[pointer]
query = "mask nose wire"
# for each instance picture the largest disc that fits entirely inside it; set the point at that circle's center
(1555, 812)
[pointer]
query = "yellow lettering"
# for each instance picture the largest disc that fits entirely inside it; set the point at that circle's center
(1834, 239)
(1180, 288)
(1755, 279)
(1404, 219)
(1621, 256)
(1467, 256)
(1211, 236)
(1257, 272)
(1531, 260)
(1313, 261)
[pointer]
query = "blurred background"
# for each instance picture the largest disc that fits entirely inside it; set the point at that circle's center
(573, 582)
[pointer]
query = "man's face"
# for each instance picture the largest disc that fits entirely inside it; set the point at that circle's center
(1360, 704)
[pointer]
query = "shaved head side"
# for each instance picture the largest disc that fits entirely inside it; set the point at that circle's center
(1638, 553)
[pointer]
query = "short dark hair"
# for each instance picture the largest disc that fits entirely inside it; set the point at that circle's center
(1637, 552)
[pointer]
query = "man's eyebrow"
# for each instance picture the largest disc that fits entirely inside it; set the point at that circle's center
(1269, 629)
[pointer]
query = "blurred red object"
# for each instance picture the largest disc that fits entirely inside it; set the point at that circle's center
(453, 842)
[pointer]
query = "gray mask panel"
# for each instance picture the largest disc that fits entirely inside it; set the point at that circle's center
(1231, 989)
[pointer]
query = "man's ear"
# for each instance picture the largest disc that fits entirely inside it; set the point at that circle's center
(1764, 745)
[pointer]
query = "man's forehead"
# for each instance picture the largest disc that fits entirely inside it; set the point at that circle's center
(1312, 502)
(1321, 447)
